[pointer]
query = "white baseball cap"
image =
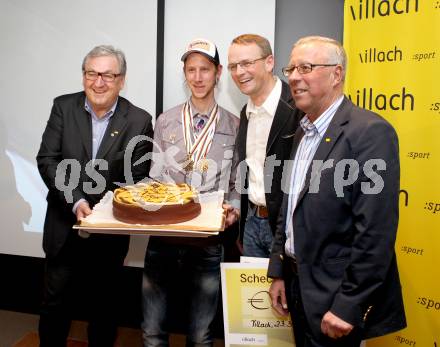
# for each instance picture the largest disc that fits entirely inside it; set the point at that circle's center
(203, 46)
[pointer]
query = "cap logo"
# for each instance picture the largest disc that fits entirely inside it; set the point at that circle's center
(199, 45)
(202, 46)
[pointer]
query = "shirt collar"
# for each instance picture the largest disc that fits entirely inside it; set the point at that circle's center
(196, 112)
(106, 116)
(270, 104)
(321, 124)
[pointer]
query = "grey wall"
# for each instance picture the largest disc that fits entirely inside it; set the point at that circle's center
(298, 18)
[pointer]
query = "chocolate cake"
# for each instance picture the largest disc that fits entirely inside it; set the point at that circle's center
(155, 203)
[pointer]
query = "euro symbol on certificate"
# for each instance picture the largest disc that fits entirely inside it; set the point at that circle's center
(260, 300)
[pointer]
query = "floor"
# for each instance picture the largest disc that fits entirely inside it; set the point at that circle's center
(20, 330)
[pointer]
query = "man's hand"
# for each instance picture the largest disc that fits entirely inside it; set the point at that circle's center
(82, 210)
(335, 327)
(277, 294)
(232, 215)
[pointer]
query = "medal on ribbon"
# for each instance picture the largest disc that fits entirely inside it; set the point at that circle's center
(188, 164)
(197, 145)
(203, 165)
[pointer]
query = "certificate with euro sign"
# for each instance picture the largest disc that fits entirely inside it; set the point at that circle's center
(249, 319)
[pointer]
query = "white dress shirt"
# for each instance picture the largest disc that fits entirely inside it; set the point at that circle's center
(260, 122)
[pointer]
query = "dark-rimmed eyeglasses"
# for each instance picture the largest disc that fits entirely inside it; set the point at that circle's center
(106, 76)
(302, 68)
(244, 64)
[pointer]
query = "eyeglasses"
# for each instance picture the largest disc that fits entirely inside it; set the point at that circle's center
(106, 77)
(244, 64)
(302, 68)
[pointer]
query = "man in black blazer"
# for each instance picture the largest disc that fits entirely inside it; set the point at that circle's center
(82, 157)
(333, 259)
(267, 124)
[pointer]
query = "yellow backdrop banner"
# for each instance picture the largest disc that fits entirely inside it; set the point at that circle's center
(393, 69)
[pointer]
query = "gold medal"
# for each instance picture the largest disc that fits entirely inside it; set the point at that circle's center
(197, 146)
(203, 166)
(188, 164)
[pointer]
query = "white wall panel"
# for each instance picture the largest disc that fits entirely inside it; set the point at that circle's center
(220, 22)
(42, 46)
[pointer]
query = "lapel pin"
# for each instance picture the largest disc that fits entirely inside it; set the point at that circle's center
(114, 133)
(172, 138)
(328, 139)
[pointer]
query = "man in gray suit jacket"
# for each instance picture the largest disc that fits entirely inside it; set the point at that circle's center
(82, 157)
(333, 259)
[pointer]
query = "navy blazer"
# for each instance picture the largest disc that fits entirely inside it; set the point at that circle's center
(68, 135)
(345, 234)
